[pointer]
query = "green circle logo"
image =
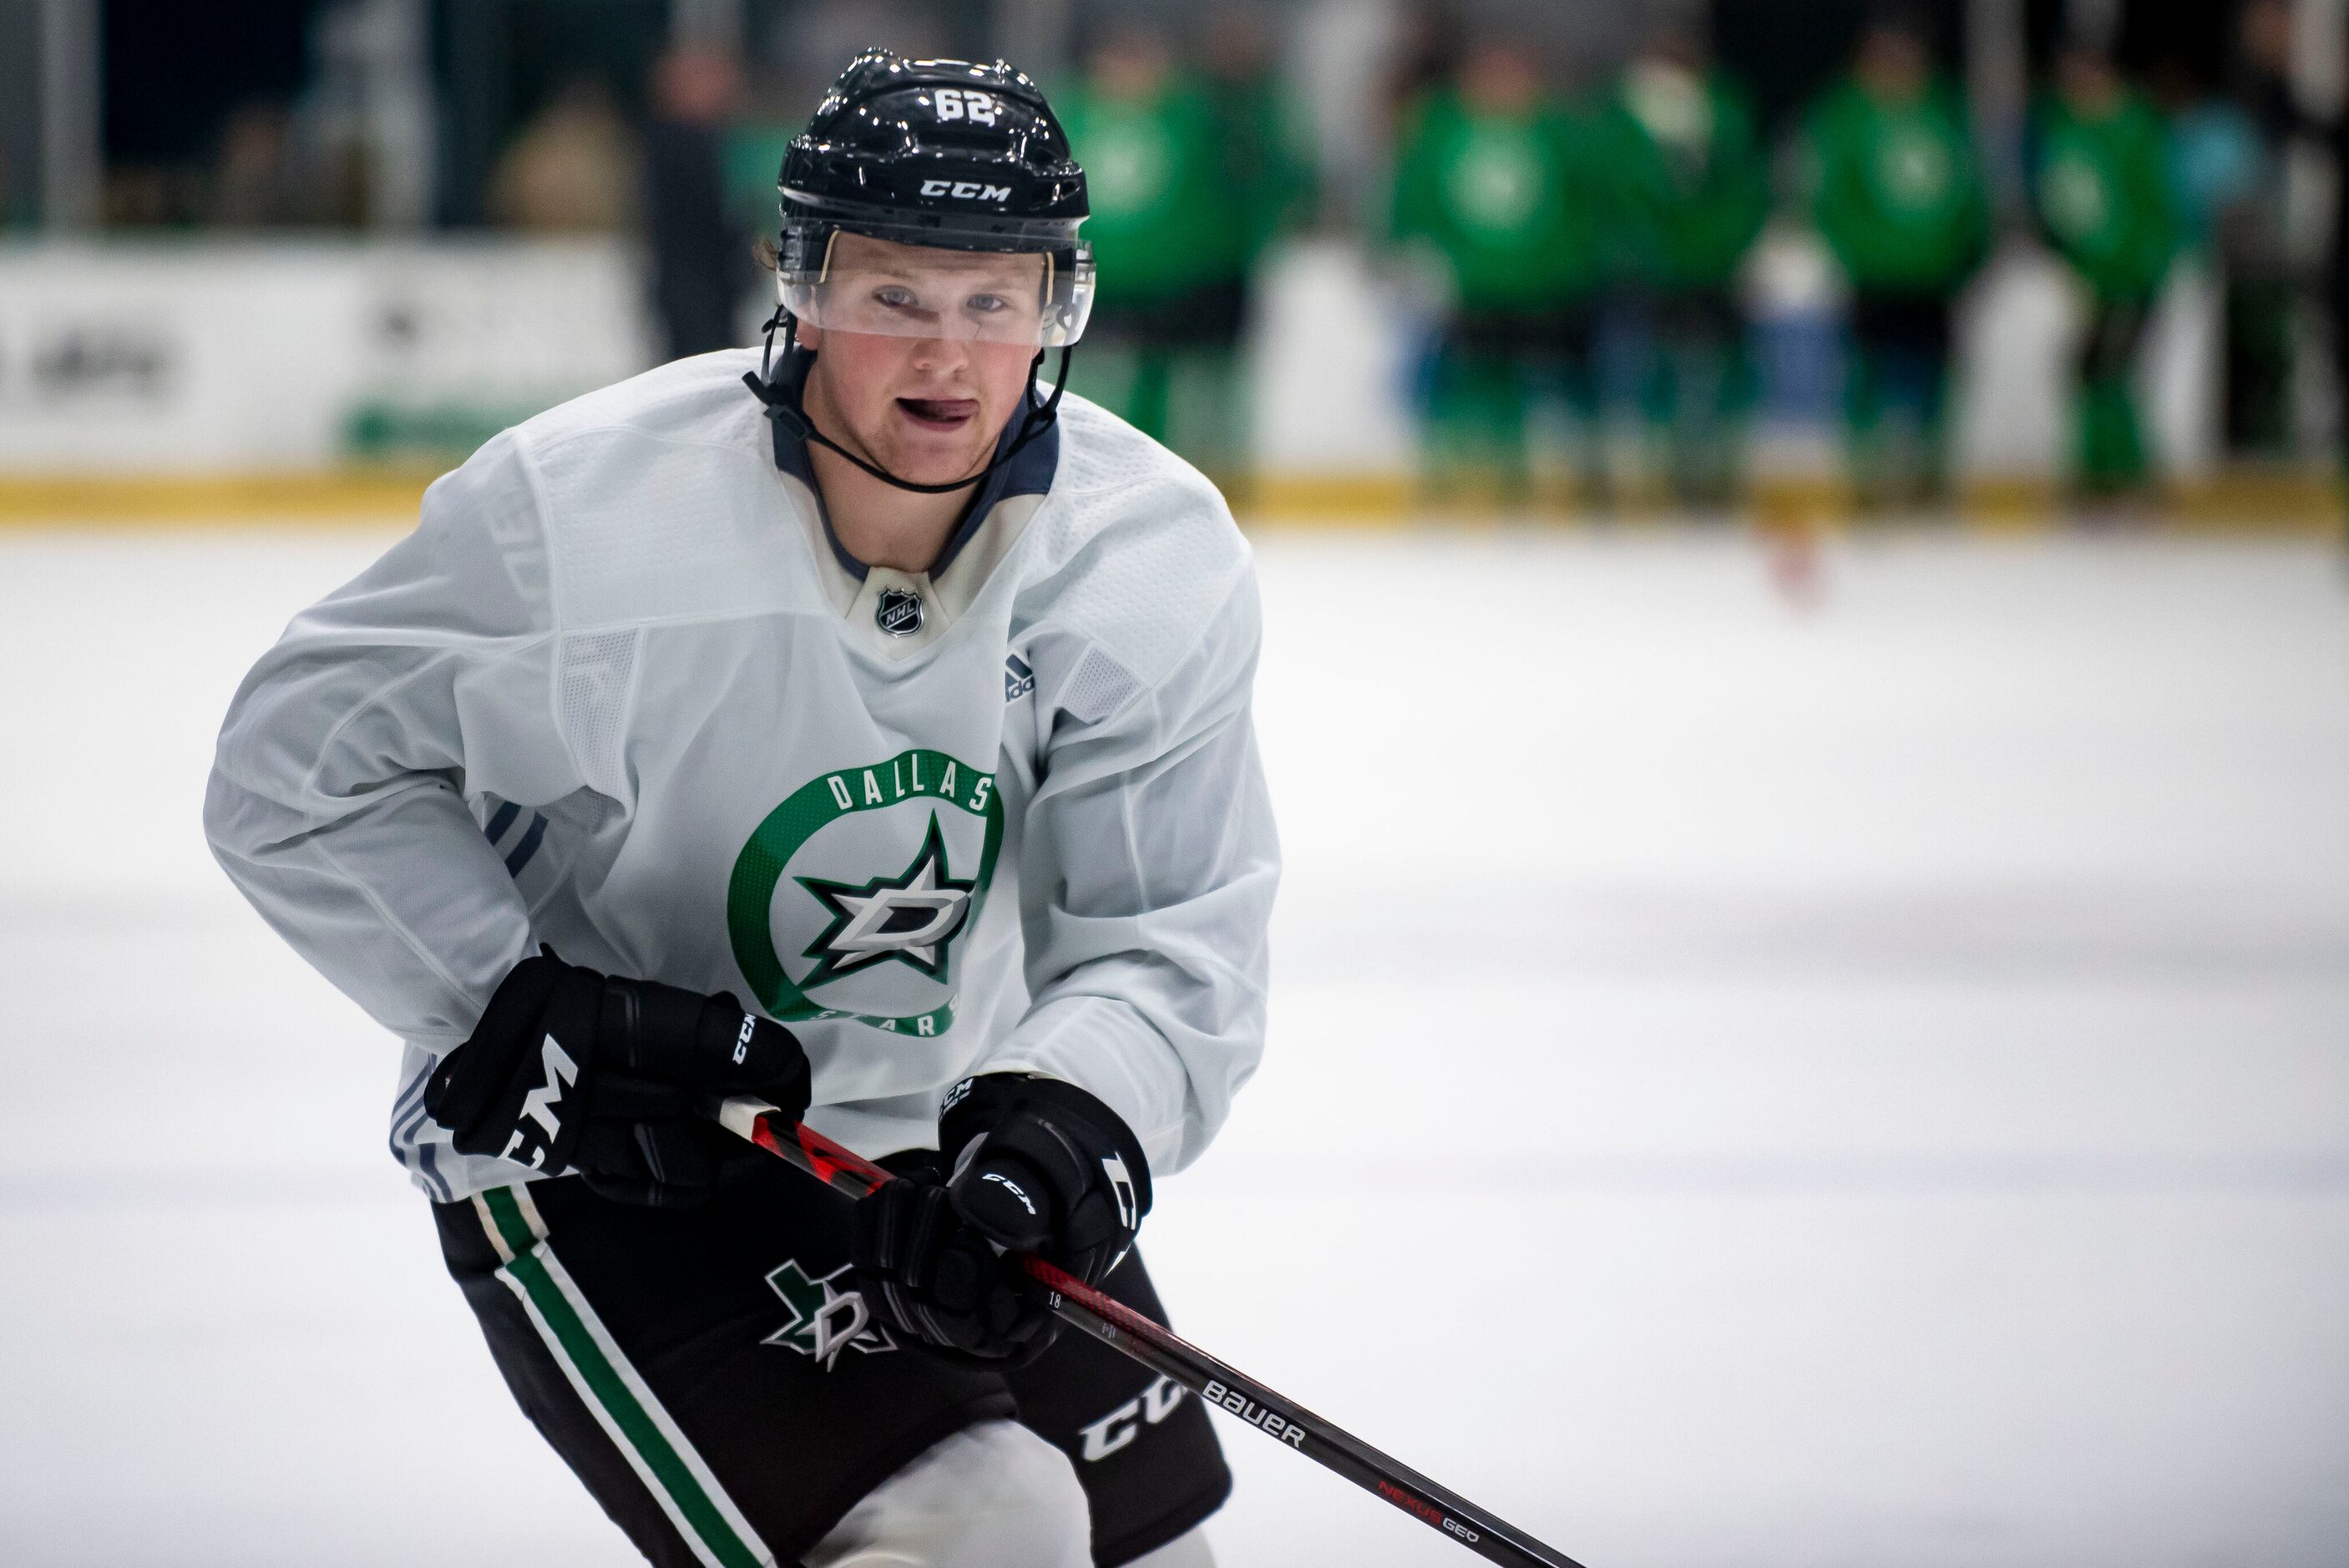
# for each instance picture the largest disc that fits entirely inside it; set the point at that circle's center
(1128, 167)
(2074, 197)
(910, 917)
(1915, 171)
(1496, 184)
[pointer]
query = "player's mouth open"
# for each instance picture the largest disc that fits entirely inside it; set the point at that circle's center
(939, 413)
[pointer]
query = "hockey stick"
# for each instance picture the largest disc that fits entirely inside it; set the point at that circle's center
(1122, 1328)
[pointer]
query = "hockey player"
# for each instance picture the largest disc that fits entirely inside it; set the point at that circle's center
(2100, 188)
(1897, 193)
(897, 696)
(1678, 149)
(1492, 180)
(1171, 223)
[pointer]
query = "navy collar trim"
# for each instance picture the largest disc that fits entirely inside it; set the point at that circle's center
(1029, 473)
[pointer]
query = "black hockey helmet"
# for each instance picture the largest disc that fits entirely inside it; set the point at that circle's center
(949, 154)
(941, 153)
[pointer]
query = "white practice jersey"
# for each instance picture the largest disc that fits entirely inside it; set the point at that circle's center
(621, 694)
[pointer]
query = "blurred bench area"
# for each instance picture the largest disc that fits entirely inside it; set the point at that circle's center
(2006, 262)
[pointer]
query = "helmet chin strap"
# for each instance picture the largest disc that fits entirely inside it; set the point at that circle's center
(784, 412)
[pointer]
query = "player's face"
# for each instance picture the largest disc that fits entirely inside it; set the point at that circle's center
(929, 388)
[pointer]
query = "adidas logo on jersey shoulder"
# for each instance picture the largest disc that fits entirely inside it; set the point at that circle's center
(1018, 680)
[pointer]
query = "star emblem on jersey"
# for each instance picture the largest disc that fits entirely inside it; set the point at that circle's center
(911, 917)
(826, 1319)
(927, 828)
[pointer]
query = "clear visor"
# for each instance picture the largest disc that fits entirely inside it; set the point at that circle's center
(1037, 299)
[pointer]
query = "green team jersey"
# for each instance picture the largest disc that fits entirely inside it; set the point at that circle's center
(1165, 219)
(1507, 200)
(2100, 189)
(1897, 189)
(1688, 188)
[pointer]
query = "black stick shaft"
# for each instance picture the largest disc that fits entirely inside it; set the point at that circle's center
(1163, 1351)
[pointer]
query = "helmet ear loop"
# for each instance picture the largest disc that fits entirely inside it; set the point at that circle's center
(790, 326)
(784, 319)
(762, 382)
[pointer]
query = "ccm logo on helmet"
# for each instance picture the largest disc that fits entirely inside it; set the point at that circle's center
(966, 189)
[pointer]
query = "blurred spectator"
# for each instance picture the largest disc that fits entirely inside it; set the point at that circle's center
(1425, 58)
(2219, 156)
(2099, 168)
(573, 170)
(2227, 164)
(2331, 133)
(1171, 233)
(699, 267)
(1260, 127)
(1493, 178)
(1678, 147)
(1897, 193)
(255, 184)
(280, 170)
(2232, 203)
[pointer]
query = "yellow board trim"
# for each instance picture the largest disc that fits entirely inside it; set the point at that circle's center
(2298, 502)
(173, 500)
(2281, 501)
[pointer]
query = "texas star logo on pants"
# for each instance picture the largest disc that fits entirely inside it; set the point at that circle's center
(826, 1319)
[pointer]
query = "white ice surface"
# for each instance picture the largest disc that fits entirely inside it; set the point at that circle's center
(1860, 1088)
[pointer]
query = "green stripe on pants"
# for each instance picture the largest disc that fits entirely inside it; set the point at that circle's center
(687, 1492)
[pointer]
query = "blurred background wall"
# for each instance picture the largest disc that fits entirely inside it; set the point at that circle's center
(1359, 256)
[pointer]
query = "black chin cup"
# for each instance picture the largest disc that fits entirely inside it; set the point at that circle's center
(787, 413)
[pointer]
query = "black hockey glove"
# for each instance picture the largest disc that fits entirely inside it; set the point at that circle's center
(922, 1269)
(1040, 1166)
(570, 1070)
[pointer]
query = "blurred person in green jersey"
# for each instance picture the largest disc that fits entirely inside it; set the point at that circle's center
(1264, 140)
(1492, 180)
(1172, 235)
(2100, 189)
(1676, 144)
(1896, 190)
(1266, 150)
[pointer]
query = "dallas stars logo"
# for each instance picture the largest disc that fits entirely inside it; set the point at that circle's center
(826, 1319)
(914, 917)
(911, 917)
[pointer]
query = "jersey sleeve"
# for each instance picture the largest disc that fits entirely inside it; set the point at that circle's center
(339, 800)
(1147, 870)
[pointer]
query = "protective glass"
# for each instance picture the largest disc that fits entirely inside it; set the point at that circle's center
(1039, 299)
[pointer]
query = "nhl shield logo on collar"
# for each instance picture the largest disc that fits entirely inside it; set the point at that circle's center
(899, 613)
